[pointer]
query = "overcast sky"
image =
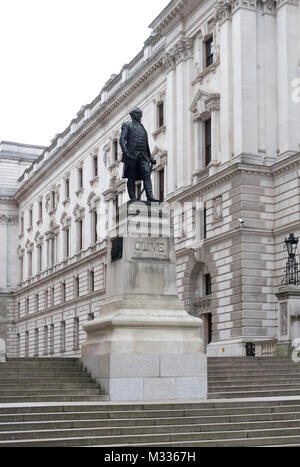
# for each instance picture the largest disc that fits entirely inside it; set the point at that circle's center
(56, 55)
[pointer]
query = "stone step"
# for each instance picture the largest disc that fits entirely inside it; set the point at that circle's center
(251, 394)
(52, 398)
(43, 374)
(247, 359)
(243, 379)
(80, 378)
(232, 373)
(179, 436)
(240, 367)
(45, 392)
(258, 387)
(220, 421)
(124, 430)
(36, 386)
(43, 359)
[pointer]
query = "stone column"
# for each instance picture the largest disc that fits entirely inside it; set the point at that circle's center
(3, 250)
(244, 60)
(169, 61)
(288, 44)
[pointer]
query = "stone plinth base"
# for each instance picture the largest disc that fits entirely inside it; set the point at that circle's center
(144, 345)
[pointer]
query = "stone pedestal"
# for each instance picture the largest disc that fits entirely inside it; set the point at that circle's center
(288, 318)
(144, 345)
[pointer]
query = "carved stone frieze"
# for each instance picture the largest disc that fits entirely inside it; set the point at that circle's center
(8, 219)
(182, 50)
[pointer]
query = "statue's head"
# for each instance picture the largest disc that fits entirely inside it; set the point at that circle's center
(136, 114)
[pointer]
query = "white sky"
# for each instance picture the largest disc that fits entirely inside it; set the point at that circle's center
(56, 55)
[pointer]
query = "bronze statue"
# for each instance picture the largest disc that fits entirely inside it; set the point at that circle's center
(137, 158)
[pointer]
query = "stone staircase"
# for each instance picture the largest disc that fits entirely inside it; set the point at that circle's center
(202, 424)
(46, 380)
(253, 377)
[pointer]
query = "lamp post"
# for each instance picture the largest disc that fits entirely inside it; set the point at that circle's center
(291, 271)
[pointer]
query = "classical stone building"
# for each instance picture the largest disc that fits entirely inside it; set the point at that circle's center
(219, 86)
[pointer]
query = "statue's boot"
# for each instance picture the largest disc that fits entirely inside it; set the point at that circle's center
(149, 190)
(131, 190)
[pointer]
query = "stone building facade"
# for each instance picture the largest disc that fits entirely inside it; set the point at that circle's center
(219, 86)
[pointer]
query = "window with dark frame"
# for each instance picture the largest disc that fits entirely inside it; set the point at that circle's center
(67, 188)
(40, 210)
(30, 218)
(95, 226)
(207, 285)
(160, 114)
(76, 287)
(63, 292)
(67, 242)
(80, 177)
(207, 136)
(209, 51)
(205, 223)
(80, 234)
(115, 150)
(92, 280)
(95, 166)
(161, 185)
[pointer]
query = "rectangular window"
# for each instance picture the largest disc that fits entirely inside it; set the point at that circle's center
(95, 227)
(76, 287)
(18, 345)
(27, 306)
(160, 114)
(30, 218)
(21, 269)
(207, 138)
(52, 339)
(36, 342)
(29, 264)
(207, 284)
(63, 336)
(209, 51)
(115, 150)
(63, 292)
(92, 281)
(36, 303)
(39, 258)
(19, 310)
(46, 340)
(205, 223)
(80, 235)
(67, 188)
(46, 299)
(76, 334)
(95, 166)
(40, 210)
(161, 185)
(22, 225)
(53, 200)
(67, 243)
(52, 296)
(80, 177)
(26, 343)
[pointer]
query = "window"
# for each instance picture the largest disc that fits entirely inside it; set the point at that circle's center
(207, 284)
(21, 265)
(22, 225)
(95, 226)
(26, 343)
(95, 166)
(115, 150)
(36, 342)
(27, 306)
(92, 281)
(30, 218)
(18, 345)
(67, 243)
(36, 303)
(80, 177)
(80, 235)
(40, 258)
(67, 188)
(207, 140)
(40, 210)
(63, 292)
(63, 336)
(161, 185)
(76, 334)
(46, 299)
(52, 250)
(160, 114)
(209, 51)
(52, 338)
(53, 205)
(45, 340)
(29, 264)
(76, 287)
(205, 223)
(19, 310)
(52, 296)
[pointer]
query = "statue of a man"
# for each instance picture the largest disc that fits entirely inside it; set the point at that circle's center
(137, 157)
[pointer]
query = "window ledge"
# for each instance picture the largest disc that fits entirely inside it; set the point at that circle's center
(161, 130)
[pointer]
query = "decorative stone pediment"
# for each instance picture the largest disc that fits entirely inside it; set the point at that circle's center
(78, 212)
(93, 201)
(203, 103)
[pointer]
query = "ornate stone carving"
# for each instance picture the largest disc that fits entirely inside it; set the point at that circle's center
(8, 219)
(217, 208)
(182, 50)
(225, 8)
